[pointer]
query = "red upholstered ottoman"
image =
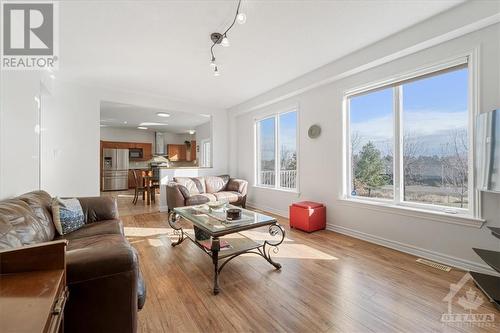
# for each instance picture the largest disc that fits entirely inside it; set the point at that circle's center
(308, 216)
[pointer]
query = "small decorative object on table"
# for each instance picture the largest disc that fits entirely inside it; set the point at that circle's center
(215, 205)
(233, 214)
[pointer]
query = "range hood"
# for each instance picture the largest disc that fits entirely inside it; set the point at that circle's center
(159, 144)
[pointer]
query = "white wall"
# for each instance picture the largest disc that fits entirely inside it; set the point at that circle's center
(70, 140)
(176, 139)
(203, 132)
(127, 135)
(18, 140)
(320, 160)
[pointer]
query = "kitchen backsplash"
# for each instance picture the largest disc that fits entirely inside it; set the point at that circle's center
(145, 164)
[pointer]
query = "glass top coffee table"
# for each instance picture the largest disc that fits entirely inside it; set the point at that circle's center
(210, 225)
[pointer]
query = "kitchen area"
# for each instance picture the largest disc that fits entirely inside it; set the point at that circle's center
(137, 142)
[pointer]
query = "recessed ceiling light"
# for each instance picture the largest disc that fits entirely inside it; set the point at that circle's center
(142, 127)
(125, 122)
(162, 114)
(52, 76)
(191, 132)
(152, 124)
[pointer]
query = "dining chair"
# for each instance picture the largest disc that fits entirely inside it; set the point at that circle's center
(139, 186)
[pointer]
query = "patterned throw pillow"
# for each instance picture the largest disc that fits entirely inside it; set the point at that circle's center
(67, 215)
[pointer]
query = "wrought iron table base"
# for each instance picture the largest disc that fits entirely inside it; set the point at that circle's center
(263, 250)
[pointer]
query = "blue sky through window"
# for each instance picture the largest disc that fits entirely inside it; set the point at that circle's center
(288, 133)
(433, 108)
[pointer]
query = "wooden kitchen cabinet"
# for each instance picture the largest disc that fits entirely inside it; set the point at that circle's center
(176, 152)
(147, 148)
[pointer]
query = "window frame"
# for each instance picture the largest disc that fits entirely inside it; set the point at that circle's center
(277, 152)
(473, 210)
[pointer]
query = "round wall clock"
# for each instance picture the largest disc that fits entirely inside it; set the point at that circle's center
(314, 131)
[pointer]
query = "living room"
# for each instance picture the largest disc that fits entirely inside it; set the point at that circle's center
(351, 173)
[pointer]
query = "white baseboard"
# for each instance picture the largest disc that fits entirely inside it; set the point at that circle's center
(406, 248)
(268, 209)
(416, 251)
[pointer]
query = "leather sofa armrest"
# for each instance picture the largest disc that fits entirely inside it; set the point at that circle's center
(90, 263)
(99, 208)
(177, 195)
(237, 185)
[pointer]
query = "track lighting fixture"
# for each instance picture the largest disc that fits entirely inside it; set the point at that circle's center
(221, 38)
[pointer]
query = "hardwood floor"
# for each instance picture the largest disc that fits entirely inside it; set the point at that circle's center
(329, 283)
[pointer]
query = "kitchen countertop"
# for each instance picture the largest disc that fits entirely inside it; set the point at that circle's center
(165, 167)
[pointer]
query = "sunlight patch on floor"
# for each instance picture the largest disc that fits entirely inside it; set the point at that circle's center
(125, 195)
(299, 251)
(262, 236)
(146, 232)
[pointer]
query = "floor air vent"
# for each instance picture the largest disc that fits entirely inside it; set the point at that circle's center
(434, 264)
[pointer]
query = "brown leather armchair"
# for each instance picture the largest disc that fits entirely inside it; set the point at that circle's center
(105, 284)
(187, 191)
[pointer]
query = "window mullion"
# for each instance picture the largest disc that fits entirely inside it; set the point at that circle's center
(257, 152)
(277, 156)
(398, 145)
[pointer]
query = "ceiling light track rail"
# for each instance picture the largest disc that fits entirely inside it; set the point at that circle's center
(221, 38)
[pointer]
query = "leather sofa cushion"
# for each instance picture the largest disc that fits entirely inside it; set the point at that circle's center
(114, 227)
(199, 199)
(228, 196)
(98, 256)
(28, 229)
(216, 184)
(194, 187)
(39, 202)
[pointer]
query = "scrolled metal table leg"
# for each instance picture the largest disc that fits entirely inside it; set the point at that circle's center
(268, 246)
(173, 218)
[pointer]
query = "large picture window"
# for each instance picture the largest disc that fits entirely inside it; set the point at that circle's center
(408, 142)
(276, 141)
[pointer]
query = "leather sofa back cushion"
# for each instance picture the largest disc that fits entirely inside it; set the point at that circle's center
(8, 236)
(39, 202)
(99, 208)
(194, 185)
(22, 220)
(216, 184)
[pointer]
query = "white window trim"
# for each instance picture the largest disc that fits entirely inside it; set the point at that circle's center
(205, 158)
(276, 116)
(470, 216)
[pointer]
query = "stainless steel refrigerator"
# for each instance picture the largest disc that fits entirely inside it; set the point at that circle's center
(114, 169)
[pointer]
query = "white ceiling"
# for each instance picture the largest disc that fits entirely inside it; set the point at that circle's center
(131, 116)
(162, 48)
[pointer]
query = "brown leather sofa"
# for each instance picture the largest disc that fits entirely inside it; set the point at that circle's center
(105, 284)
(187, 191)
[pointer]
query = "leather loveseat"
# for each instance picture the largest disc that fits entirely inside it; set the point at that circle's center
(105, 284)
(188, 191)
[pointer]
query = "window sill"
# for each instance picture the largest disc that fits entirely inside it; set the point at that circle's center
(458, 219)
(276, 189)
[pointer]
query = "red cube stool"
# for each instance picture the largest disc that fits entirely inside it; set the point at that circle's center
(308, 216)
